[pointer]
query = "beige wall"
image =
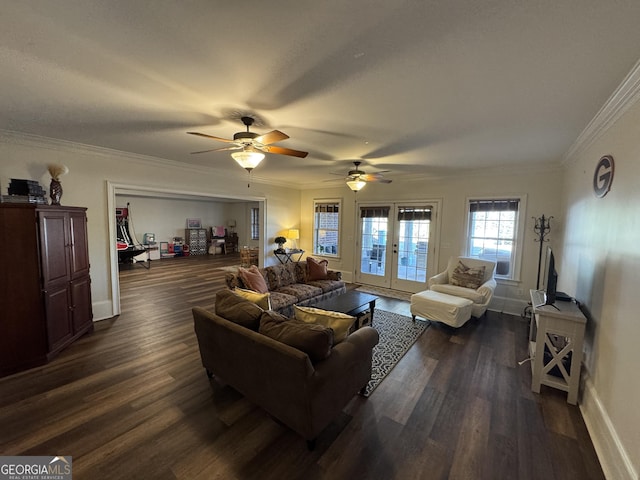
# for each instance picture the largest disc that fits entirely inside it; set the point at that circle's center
(600, 265)
(86, 184)
(541, 186)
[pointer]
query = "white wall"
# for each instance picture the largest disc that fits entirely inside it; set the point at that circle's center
(600, 265)
(90, 171)
(541, 186)
(166, 217)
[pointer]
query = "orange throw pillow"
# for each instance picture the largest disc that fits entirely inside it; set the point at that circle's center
(253, 279)
(317, 270)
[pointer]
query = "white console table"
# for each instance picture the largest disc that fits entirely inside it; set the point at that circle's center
(561, 328)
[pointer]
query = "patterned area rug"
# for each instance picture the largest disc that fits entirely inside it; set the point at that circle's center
(397, 334)
(384, 292)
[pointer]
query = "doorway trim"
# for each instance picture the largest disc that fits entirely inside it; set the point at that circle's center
(437, 222)
(114, 189)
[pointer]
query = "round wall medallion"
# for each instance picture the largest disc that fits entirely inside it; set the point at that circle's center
(603, 176)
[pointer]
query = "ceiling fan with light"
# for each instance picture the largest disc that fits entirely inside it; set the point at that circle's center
(251, 145)
(357, 179)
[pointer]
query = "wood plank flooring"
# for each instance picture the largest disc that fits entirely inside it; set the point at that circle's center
(131, 400)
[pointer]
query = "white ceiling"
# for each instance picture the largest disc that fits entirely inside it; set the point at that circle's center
(414, 86)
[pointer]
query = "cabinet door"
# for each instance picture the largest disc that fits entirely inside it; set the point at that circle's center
(79, 251)
(82, 313)
(54, 239)
(58, 306)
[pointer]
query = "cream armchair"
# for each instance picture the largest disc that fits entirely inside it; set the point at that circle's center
(481, 296)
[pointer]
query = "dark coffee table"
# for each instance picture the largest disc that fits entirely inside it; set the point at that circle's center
(358, 304)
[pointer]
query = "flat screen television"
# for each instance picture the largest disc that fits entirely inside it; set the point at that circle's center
(550, 279)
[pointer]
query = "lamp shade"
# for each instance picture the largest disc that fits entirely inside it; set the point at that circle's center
(294, 234)
(248, 159)
(356, 184)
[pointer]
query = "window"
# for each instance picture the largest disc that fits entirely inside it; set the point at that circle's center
(326, 228)
(493, 232)
(255, 223)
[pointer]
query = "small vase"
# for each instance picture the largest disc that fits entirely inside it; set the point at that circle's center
(55, 192)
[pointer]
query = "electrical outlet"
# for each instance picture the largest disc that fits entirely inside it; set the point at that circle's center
(520, 292)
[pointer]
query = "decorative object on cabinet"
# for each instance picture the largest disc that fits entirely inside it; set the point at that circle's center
(55, 188)
(46, 287)
(24, 191)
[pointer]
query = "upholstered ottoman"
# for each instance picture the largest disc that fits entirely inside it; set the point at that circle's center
(454, 311)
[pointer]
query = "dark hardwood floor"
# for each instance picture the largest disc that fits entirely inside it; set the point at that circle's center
(131, 400)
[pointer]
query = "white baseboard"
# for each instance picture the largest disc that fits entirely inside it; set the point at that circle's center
(512, 306)
(102, 310)
(612, 455)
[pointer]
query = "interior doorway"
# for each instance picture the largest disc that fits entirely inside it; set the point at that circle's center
(113, 190)
(397, 244)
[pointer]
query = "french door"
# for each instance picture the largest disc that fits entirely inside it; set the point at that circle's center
(396, 245)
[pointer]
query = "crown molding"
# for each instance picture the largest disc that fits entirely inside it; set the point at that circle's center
(66, 146)
(623, 98)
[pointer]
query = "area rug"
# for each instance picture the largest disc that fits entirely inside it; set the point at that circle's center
(385, 292)
(397, 334)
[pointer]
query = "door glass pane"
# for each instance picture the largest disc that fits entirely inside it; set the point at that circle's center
(412, 250)
(374, 245)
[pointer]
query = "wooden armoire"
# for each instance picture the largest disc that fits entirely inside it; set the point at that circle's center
(45, 288)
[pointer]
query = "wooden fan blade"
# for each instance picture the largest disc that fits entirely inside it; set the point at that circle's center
(271, 137)
(235, 147)
(285, 151)
(371, 177)
(212, 137)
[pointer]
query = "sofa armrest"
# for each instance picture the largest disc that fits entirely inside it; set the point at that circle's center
(487, 289)
(334, 275)
(438, 279)
(355, 348)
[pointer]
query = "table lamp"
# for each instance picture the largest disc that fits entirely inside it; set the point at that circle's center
(294, 234)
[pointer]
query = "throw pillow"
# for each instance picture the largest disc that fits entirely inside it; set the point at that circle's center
(317, 269)
(464, 276)
(237, 309)
(253, 279)
(260, 299)
(339, 322)
(314, 340)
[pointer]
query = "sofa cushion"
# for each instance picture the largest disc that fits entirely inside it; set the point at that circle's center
(260, 299)
(468, 277)
(302, 291)
(317, 269)
(328, 285)
(253, 279)
(280, 301)
(339, 322)
(237, 309)
(314, 340)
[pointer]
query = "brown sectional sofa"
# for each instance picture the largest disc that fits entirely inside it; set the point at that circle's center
(288, 285)
(303, 395)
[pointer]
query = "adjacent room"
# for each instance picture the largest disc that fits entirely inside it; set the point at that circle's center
(328, 240)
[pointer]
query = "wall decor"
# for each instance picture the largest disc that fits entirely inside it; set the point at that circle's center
(194, 223)
(603, 176)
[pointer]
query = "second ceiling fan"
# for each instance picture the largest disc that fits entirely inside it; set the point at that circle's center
(357, 179)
